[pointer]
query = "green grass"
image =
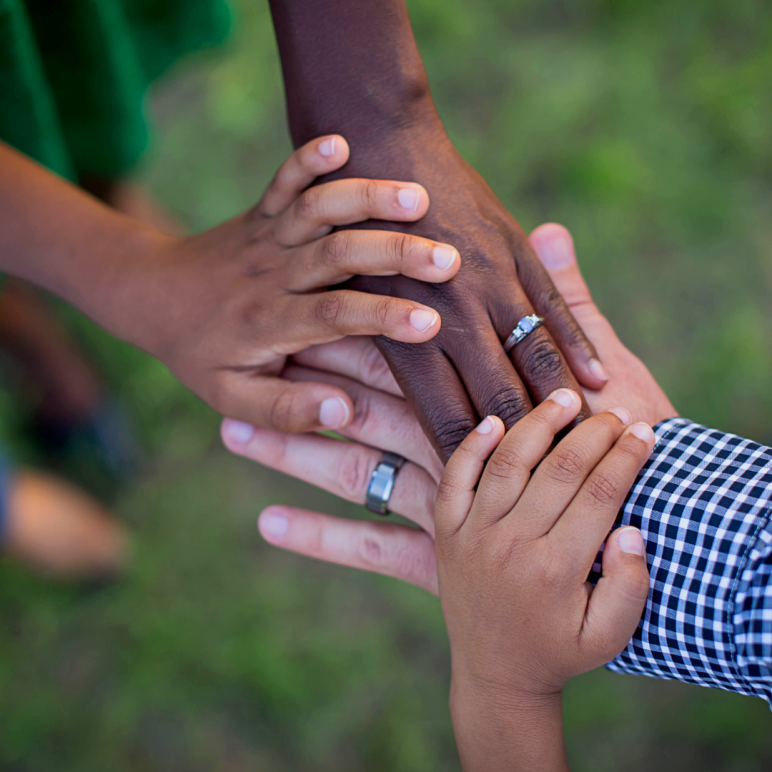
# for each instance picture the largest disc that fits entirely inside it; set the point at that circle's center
(643, 127)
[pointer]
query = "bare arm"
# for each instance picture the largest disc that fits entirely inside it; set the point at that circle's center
(353, 66)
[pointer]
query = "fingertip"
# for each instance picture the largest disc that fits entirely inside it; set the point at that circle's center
(567, 398)
(335, 412)
(569, 402)
(554, 246)
(630, 541)
(411, 201)
(236, 434)
(273, 523)
(588, 369)
(425, 321)
(643, 432)
(334, 150)
(447, 260)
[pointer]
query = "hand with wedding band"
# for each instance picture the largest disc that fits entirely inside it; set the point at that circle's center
(382, 418)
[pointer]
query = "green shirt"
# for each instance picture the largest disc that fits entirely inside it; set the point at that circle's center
(74, 74)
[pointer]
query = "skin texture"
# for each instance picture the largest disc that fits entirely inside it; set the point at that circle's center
(225, 308)
(516, 536)
(353, 68)
(382, 420)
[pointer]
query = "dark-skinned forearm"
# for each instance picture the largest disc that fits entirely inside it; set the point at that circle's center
(351, 68)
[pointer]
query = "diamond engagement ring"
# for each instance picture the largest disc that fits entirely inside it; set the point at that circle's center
(382, 483)
(524, 328)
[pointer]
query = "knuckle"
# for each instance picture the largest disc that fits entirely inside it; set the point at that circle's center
(449, 434)
(509, 405)
(384, 310)
(364, 421)
(447, 490)
(566, 465)
(399, 248)
(373, 367)
(368, 194)
(394, 557)
(543, 361)
(602, 488)
(505, 463)
(330, 309)
(283, 411)
(335, 248)
(354, 474)
(308, 205)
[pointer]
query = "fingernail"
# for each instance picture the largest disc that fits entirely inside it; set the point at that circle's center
(421, 319)
(598, 370)
(622, 414)
(564, 397)
(485, 426)
(642, 432)
(327, 148)
(333, 412)
(238, 432)
(443, 256)
(556, 253)
(630, 540)
(408, 198)
(273, 525)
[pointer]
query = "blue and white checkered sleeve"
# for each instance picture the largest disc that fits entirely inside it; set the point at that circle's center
(703, 502)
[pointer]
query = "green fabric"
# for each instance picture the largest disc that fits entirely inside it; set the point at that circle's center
(74, 74)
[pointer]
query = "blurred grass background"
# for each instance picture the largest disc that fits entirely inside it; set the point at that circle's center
(644, 128)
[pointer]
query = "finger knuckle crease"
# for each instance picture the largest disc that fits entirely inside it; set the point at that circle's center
(329, 309)
(335, 248)
(542, 361)
(354, 474)
(566, 465)
(373, 367)
(450, 433)
(400, 248)
(283, 410)
(307, 207)
(368, 192)
(602, 488)
(505, 463)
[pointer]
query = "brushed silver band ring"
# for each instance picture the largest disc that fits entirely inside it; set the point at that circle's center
(381, 484)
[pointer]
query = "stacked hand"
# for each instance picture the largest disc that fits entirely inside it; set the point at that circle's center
(382, 421)
(515, 544)
(251, 292)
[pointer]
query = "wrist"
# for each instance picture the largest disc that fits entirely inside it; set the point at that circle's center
(498, 728)
(119, 291)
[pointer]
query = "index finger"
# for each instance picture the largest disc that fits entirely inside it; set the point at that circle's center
(456, 491)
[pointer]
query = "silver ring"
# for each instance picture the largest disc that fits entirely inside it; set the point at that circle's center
(382, 483)
(524, 328)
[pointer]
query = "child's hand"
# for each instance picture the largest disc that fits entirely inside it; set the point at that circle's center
(225, 308)
(513, 556)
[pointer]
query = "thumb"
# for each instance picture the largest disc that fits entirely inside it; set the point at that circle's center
(618, 600)
(275, 403)
(555, 249)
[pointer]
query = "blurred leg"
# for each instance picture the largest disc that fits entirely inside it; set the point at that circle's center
(60, 531)
(67, 385)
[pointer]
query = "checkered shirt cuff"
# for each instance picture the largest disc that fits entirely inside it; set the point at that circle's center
(703, 504)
